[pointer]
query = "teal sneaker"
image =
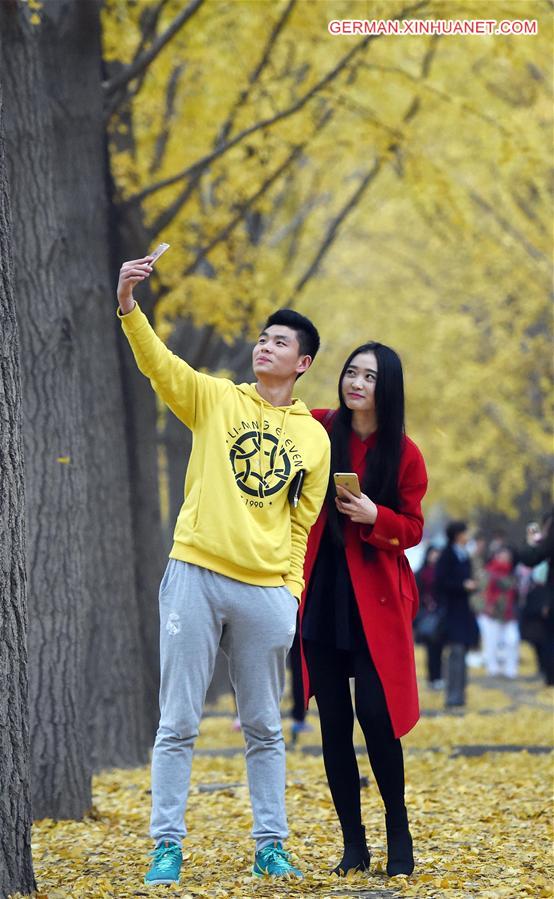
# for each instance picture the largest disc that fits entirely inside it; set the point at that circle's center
(273, 861)
(166, 864)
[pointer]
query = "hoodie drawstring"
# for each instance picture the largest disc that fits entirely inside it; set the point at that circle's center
(280, 441)
(261, 442)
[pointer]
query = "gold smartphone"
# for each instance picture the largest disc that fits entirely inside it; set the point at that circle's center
(349, 480)
(161, 248)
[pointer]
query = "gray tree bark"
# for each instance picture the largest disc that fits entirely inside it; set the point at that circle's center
(16, 867)
(89, 702)
(53, 436)
(121, 715)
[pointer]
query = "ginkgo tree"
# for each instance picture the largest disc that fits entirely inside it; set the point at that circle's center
(390, 187)
(395, 187)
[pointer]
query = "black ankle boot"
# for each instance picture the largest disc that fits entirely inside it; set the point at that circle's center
(356, 854)
(400, 854)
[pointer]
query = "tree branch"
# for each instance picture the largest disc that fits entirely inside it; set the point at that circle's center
(230, 227)
(163, 136)
(254, 76)
(149, 24)
(264, 123)
(167, 216)
(333, 230)
(425, 70)
(506, 226)
(297, 220)
(519, 437)
(143, 61)
(202, 163)
(439, 93)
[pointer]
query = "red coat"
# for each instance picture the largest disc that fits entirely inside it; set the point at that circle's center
(384, 586)
(500, 592)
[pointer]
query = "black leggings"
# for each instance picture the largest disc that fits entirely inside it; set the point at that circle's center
(330, 670)
(295, 659)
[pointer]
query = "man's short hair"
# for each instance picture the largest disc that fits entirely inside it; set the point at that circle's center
(306, 332)
(454, 529)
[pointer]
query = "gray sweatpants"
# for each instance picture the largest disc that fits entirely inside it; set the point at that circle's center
(199, 611)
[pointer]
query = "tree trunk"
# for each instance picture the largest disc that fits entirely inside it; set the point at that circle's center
(129, 240)
(55, 469)
(121, 716)
(16, 867)
(92, 685)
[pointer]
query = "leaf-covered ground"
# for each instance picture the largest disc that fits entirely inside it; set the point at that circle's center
(480, 808)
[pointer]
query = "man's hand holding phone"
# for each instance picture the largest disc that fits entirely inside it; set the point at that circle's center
(132, 273)
(533, 533)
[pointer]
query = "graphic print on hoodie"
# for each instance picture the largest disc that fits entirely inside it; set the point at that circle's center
(263, 463)
(236, 518)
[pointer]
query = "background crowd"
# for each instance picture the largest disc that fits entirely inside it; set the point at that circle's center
(480, 596)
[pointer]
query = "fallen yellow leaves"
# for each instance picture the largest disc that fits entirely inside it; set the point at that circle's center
(481, 824)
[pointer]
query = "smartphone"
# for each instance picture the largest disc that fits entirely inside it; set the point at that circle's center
(348, 479)
(161, 248)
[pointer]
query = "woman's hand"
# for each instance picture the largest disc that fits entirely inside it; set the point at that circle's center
(360, 509)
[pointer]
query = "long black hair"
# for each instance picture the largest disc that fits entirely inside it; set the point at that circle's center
(380, 478)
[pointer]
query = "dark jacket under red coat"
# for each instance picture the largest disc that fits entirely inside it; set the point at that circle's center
(384, 585)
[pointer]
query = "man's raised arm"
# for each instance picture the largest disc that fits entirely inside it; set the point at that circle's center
(188, 393)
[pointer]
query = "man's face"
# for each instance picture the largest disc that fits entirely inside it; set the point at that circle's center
(462, 538)
(276, 355)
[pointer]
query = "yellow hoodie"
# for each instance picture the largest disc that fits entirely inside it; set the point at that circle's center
(236, 518)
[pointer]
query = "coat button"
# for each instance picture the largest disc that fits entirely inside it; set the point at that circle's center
(383, 599)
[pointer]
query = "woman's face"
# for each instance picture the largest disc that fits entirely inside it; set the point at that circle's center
(358, 383)
(503, 555)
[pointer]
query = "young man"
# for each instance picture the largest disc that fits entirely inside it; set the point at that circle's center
(255, 483)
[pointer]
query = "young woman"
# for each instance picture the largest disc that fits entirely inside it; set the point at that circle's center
(499, 623)
(361, 598)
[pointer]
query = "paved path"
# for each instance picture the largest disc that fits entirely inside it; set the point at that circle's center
(521, 692)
